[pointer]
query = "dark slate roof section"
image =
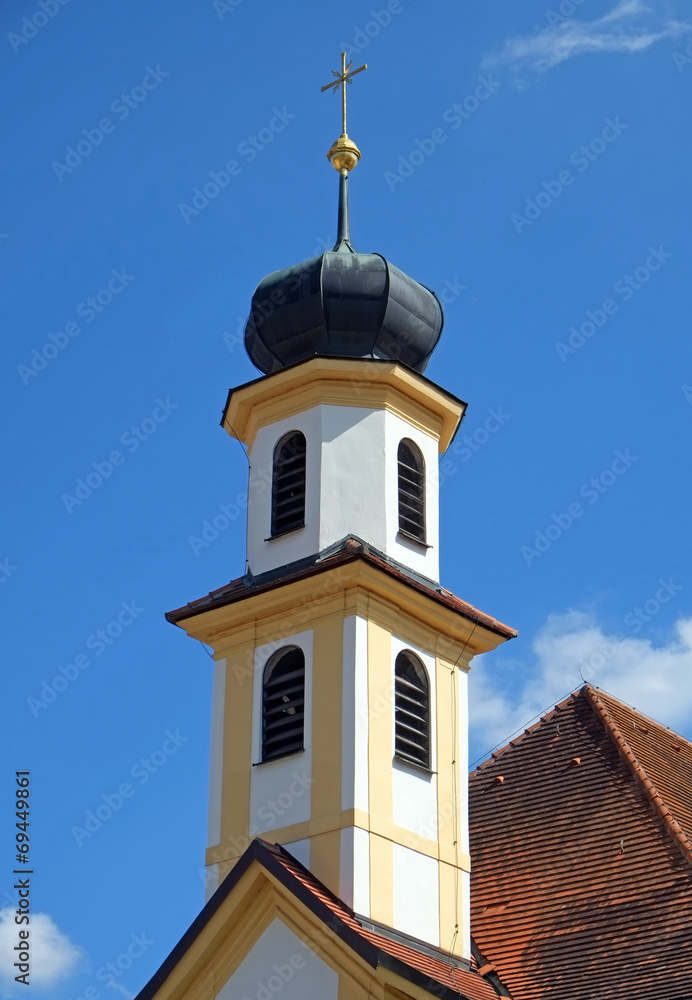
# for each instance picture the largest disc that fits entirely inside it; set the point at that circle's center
(581, 884)
(338, 304)
(441, 977)
(347, 550)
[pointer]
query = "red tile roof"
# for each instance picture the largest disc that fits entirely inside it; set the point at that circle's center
(349, 550)
(467, 984)
(422, 967)
(581, 882)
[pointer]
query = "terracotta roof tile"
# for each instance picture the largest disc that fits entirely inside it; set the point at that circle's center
(348, 550)
(468, 984)
(580, 886)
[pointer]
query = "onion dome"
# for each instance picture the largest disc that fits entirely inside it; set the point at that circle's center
(342, 303)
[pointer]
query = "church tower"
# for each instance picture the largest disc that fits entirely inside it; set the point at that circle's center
(340, 691)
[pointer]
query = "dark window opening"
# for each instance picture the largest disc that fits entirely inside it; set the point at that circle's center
(288, 484)
(283, 704)
(411, 490)
(411, 710)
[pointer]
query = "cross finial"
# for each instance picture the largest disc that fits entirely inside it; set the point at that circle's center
(342, 78)
(344, 154)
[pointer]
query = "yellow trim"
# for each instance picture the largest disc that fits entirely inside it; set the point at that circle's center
(351, 588)
(349, 817)
(341, 382)
(448, 773)
(326, 717)
(325, 849)
(452, 909)
(325, 858)
(382, 880)
(236, 768)
(214, 956)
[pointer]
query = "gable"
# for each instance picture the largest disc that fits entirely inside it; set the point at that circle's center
(279, 962)
(272, 927)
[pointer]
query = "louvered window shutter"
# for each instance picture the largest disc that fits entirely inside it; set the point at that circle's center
(411, 710)
(411, 490)
(288, 484)
(283, 703)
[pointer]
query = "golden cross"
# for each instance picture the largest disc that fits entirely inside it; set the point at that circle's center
(342, 79)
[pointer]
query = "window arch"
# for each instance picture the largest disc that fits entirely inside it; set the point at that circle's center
(411, 466)
(283, 703)
(288, 484)
(411, 710)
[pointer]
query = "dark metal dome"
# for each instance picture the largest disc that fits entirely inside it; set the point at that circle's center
(343, 304)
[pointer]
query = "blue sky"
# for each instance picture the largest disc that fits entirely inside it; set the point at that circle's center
(530, 162)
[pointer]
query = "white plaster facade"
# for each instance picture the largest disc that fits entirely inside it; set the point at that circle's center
(351, 487)
(280, 964)
(280, 789)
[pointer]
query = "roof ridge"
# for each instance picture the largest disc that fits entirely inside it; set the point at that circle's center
(518, 736)
(649, 718)
(675, 831)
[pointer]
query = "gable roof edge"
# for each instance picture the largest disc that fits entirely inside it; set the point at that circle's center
(671, 825)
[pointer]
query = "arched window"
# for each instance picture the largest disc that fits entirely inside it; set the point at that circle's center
(411, 490)
(411, 710)
(283, 703)
(288, 484)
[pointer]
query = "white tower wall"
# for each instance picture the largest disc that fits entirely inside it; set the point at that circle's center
(351, 488)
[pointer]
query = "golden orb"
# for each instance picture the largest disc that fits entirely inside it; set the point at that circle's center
(344, 154)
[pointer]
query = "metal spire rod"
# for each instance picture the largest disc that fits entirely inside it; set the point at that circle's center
(343, 225)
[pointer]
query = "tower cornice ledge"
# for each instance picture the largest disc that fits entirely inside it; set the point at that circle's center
(351, 579)
(363, 382)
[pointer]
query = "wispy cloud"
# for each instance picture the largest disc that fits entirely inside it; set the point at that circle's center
(630, 27)
(54, 956)
(115, 985)
(569, 649)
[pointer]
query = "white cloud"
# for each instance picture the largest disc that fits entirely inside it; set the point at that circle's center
(114, 984)
(630, 27)
(53, 955)
(656, 680)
